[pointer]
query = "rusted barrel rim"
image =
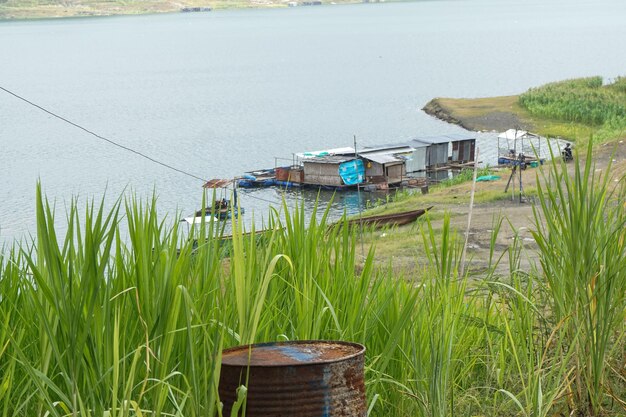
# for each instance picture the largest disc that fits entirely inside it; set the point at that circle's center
(360, 351)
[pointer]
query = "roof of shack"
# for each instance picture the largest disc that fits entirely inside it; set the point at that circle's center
(382, 154)
(381, 157)
(418, 142)
(450, 137)
(328, 160)
(326, 152)
(388, 148)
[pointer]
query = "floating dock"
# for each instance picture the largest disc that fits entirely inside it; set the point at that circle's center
(411, 164)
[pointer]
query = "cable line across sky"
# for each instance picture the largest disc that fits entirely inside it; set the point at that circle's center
(114, 143)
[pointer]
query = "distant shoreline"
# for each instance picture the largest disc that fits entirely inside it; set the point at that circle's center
(13, 10)
(572, 109)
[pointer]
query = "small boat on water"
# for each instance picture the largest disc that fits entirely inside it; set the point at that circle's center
(394, 219)
(222, 209)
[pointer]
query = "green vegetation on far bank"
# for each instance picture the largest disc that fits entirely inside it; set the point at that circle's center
(574, 109)
(586, 101)
(39, 9)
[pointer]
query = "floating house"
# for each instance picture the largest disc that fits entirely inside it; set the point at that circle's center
(432, 152)
(417, 160)
(428, 156)
(380, 167)
(385, 164)
(394, 164)
(431, 155)
(463, 148)
(383, 168)
(333, 171)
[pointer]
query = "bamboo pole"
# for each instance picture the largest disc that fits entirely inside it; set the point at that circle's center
(469, 214)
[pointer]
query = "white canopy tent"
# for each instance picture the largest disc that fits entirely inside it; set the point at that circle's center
(515, 141)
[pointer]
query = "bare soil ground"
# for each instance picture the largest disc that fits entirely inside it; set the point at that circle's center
(401, 248)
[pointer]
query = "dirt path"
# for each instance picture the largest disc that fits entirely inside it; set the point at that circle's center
(518, 218)
(402, 249)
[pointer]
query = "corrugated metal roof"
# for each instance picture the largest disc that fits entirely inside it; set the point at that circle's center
(419, 142)
(450, 137)
(432, 140)
(460, 136)
(328, 160)
(326, 152)
(381, 157)
(382, 153)
(388, 148)
(416, 144)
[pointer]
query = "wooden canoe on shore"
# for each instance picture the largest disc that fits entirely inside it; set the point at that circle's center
(395, 219)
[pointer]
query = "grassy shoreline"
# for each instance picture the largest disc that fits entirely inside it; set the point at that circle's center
(35, 10)
(573, 109)
(499, 114)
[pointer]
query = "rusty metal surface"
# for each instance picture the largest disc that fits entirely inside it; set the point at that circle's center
(217, 183)
(306, 378)
(291, 353)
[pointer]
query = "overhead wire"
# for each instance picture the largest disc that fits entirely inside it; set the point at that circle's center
(260, 198)
(112, 142)
(119, 145)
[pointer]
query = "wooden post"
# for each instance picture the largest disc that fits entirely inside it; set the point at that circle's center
(358, 191)
(469, 215)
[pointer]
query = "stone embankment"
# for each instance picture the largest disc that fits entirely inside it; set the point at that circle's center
(435, 109)
(494, 114)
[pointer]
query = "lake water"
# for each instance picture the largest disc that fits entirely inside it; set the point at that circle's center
(220, 93)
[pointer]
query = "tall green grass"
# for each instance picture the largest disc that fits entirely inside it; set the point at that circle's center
(583, 257)
(103, 323)
(583, 100)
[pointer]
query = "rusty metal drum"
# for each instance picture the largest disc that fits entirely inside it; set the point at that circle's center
(302, 378)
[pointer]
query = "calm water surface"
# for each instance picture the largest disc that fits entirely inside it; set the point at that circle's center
(220, 93)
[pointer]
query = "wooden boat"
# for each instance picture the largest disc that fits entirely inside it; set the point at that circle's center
(395, 219)
(222, 209)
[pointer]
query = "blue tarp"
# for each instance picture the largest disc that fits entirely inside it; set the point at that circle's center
(352, 172)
